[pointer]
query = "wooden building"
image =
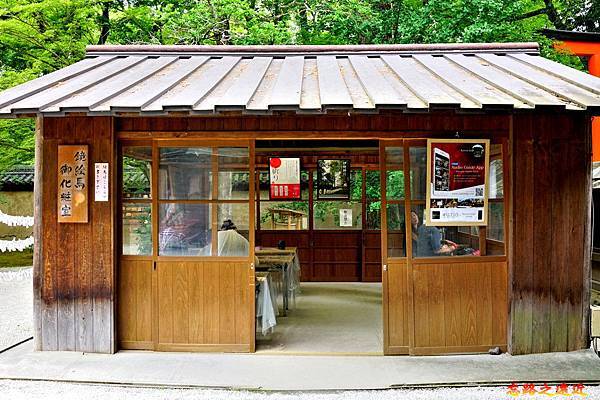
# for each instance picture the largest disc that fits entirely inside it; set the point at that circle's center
(122, 278)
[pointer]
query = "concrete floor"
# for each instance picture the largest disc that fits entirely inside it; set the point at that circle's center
(340, 318)
(290, 373)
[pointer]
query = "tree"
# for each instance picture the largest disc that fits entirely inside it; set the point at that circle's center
(40, 36)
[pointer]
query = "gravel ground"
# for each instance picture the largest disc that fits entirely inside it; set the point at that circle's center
(16, 390)
(16, 305)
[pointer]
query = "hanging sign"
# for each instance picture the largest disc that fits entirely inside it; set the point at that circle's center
(284, 178)
(72, 183)
(457, 182)
(101, 182)
(346, 217)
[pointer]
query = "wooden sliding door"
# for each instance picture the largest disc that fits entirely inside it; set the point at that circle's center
(186, 273)
(452, 302)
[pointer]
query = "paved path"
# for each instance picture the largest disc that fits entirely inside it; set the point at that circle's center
(16, 305)
(269, 372)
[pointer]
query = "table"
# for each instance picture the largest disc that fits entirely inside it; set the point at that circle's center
(286, 261)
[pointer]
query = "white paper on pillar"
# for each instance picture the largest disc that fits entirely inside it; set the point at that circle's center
(345, 217)
(101, 182)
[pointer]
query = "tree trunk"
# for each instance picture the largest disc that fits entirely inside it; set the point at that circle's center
(104, 23)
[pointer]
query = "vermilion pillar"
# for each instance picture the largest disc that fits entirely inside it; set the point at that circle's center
(591, 50)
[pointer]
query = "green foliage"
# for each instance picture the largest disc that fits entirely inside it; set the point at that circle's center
(40, 36)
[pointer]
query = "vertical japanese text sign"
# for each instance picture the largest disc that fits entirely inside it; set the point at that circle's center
(73, 183)
(101, 182)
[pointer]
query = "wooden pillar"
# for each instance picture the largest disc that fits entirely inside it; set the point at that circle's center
(38, 260)
(550, 233)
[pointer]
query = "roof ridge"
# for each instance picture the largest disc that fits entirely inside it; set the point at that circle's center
(313, 49)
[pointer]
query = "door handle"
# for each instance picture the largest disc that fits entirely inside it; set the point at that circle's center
(252, 266)
(154, 265)
(384, 267)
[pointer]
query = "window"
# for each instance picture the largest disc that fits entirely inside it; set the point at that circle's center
(137, 201)
(283, 215)
(495, 228)
(395, 215)
(202, 204)
(432, 241)
(373, 201)
(340, 214)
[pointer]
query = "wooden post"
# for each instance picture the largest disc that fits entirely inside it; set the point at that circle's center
(38, 260)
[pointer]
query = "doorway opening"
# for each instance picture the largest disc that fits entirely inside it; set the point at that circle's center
(333, 227)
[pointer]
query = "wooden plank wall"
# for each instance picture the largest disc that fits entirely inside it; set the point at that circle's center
(135, 318)
(550, 238)
(396, 311)
(384, 125)
(203, 305)
(74, 269)
(459, 307)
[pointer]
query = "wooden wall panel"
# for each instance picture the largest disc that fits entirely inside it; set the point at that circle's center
(204, 305)
(76, 263)
(396, 309)
(550, 238)
(459, 307)
(134, 312)
(385, 124)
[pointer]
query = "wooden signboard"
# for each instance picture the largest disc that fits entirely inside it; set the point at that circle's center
(73, 183)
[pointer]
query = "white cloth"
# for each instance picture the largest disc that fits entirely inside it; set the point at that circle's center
(232, 244)
(16, 244)
(266, 305)
(15, 220)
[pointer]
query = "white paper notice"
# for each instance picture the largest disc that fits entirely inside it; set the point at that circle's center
(101, 182)
(345, 217)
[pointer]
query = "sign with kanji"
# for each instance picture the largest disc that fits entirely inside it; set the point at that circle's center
(73, 183)
(346, 217)
(457, 182)
(101, 182)
(284, 178)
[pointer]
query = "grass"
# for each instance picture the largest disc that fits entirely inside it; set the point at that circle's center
(16, 258)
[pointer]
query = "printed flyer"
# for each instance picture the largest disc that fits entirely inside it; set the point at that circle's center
(457, 182)
(284, 178)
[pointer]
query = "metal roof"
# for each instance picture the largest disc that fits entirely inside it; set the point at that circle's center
(155, 80)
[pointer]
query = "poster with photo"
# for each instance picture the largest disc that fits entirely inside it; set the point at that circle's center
(333, 179)
(284, 178)
(457, 178)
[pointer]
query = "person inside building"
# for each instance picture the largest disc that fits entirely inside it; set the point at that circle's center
(427, 240)
(231, 242)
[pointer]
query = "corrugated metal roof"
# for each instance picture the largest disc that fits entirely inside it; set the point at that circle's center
(154, 80)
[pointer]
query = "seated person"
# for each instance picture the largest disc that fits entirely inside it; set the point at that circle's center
(231, 242)
(427, 240)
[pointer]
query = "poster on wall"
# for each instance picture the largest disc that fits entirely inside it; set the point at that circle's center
(457, 177)
(284, 178)
(333, 179)
(72, 183)
(345, 217)
(101, 182)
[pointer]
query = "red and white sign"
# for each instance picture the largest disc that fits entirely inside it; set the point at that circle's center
(284, 178)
